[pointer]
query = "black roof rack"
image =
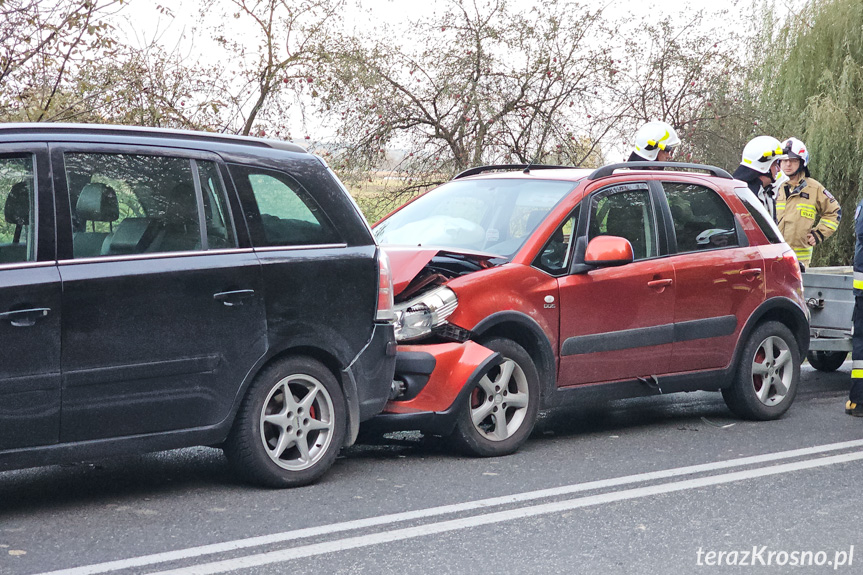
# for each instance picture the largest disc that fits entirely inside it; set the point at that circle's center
(611, 168)
(482, 169)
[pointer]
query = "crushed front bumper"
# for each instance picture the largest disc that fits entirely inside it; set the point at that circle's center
(436, 381)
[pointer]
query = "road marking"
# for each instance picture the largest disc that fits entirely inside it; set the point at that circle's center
(500, 516)
(212, 549)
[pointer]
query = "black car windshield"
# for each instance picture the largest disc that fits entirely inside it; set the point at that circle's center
(491, 216)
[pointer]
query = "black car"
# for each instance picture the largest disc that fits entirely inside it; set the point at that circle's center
(162, 289)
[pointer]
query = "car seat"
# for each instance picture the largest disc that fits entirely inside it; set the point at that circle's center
(17, 212)
(181, 227)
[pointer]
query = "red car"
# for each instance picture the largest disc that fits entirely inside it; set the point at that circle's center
(522, 288)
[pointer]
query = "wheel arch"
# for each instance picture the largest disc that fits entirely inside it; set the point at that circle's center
(526, 332)
(329, 360)
(782, 310)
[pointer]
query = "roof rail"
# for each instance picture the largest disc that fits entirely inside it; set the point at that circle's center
(144, 131)
(611, 168)
(525, 167)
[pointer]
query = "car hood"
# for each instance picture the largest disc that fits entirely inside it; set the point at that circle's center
(406, 262)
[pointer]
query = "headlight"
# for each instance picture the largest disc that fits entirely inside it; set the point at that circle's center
(416, 318)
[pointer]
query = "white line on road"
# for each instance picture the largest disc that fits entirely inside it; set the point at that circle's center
(192, 552)
(500, 516)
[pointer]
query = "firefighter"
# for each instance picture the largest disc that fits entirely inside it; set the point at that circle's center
(654, 141)
(757, 168)
(854, 406)
(807, 214)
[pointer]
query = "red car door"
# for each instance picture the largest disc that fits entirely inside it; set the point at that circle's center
(617, 322)
(719, 277)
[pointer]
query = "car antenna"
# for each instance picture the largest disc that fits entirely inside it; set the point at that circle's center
(527, 167)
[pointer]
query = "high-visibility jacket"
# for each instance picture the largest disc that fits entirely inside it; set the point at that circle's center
(858, 250)
(806, 207)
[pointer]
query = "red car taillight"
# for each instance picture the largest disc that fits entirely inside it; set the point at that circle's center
(386, 308)
(793, 265)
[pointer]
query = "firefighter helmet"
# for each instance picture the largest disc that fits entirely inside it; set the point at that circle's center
(760, 153)
(655, 136)
(796, 150)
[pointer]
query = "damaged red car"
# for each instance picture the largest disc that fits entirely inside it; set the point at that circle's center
(520, 288)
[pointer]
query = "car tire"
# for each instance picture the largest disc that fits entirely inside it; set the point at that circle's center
(826, 361)
(500, 412)
(282, 439)
(767, 375)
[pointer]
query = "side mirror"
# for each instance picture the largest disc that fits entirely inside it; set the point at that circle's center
(605, 251)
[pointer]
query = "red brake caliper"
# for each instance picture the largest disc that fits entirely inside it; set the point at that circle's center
(757, 379)
(474, 398)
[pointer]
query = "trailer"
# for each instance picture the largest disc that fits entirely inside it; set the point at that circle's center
(829, 294)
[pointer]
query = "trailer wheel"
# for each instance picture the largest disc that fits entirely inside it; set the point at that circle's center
(826, 361)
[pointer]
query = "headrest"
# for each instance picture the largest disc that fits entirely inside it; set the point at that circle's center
(182, 206)
(17, 210)
(98, 203)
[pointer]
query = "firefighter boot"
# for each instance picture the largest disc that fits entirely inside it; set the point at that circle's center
(855, 409)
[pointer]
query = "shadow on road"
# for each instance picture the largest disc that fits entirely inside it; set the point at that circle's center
(111, 480)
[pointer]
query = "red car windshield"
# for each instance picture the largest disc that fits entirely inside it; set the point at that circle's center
(487, 215)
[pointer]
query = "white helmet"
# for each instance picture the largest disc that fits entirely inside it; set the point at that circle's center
(654, 136)
(796, 150)
(760, 153)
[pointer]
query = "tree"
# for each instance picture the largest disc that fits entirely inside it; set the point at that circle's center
(147, 86)
(277, 64)
(485, 84)
(691, 75)
(816, 94)
(42, 44)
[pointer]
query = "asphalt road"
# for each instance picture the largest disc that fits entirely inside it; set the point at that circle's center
(657, 485)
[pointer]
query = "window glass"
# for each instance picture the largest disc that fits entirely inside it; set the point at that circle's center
(220, 232)
(131, 204)
(17, 229)
(288, 216)
(627, 214)
(489, 215)
(555, 256)
(701, 219)
(760, 215)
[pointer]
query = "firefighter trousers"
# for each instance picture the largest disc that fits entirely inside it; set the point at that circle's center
(856, 395)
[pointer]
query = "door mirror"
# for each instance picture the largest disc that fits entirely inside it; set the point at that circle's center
(608, 251)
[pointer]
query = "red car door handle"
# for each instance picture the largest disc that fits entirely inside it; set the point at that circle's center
(660, 283)
(751, 273)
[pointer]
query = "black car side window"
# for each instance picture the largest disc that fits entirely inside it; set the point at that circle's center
(17, 229)
(702, 220)
(288, 216)
(126, 204)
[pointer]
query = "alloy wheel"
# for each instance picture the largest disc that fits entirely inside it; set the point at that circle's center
(499, 402)
(297, 422)
(772, 370)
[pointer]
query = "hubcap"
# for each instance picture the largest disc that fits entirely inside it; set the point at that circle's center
(297, 422)
(499, 402)
(772, 371)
